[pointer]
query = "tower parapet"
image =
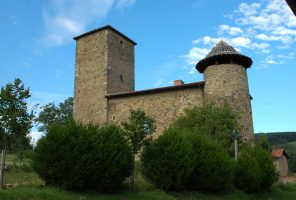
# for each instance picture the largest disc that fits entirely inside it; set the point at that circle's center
(226, 80)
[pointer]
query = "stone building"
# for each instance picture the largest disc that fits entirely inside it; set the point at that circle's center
(280, 160)
(104, 83)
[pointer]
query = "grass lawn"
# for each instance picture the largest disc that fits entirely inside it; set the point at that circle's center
(280, 192)
(31, 187)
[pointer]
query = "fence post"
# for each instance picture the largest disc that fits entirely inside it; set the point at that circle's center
(2, 166)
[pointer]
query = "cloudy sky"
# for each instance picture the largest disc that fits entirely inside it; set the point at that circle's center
(172, 36)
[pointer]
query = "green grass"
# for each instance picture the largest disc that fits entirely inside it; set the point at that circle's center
(287, 192)
(34, 189)
(20, 173)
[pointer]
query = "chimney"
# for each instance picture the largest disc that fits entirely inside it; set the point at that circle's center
(178, 82)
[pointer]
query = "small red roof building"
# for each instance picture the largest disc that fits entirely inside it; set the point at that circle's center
(280, 160)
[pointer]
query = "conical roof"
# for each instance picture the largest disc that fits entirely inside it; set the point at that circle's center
(223, 53)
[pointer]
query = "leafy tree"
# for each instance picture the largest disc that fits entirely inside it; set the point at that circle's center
(16, 121)
(216, 122)
(139, 129)
(262, 141)
(52, 114)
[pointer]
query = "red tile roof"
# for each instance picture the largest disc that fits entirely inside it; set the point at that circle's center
(277, 153)
(156, 90)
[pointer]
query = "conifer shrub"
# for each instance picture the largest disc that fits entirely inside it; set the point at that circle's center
(255, 170)
(213, 169)
(77, 157)
(182, 160)
(168, 161)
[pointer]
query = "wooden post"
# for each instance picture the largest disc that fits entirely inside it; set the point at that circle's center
(235, 149)
(2, 166)
(235, 138)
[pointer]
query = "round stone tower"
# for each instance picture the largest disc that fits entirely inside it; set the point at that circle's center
(226, 80)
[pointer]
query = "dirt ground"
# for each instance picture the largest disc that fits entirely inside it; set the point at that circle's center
(288, 179)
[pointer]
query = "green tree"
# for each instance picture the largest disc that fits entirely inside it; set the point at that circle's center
(139, 129)
(217, 122)
(16, 121)
(52, 114)
(262, 141)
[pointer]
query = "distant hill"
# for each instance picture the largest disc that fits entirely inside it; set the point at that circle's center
(276, 138)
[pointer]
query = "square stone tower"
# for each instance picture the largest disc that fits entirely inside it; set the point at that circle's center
(104, 65)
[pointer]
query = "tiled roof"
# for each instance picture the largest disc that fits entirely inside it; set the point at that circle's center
(103, 28)
(277, 153)
(156, 90)
(223, 53)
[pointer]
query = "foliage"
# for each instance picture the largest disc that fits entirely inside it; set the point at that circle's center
(77, 157)
(139, 129)
(262, 141)
(52, 114)
(290, 148)
(168, 161)
(216, 122)
(213, 168)
(178, 161)
(283, 140)
(16, 120)
(278, 137)
(255, 170)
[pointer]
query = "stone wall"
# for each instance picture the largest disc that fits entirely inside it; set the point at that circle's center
(163, 106)
(104, 64)
(90, 78)
(121, 70)
(229, 83)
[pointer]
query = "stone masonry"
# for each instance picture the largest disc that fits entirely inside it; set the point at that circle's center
(104, 83)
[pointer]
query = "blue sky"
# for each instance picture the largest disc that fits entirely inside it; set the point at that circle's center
(172, 36)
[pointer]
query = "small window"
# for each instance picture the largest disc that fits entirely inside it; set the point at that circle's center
(121, 78)
(121, 42)
(113, 117)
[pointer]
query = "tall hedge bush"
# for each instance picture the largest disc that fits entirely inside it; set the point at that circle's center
(77, 157)
(168, 161)
(255, 170)
(213, 168)
(182, 160)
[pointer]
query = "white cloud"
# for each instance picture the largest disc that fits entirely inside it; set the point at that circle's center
(124, 4)
(195, 54)
(249, 9)
(263, 36)
(230, 30)
(266, 27)
(159, 83)
(241, 41)
(65, 19)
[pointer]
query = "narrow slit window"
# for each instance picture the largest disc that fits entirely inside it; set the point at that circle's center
(121, 78)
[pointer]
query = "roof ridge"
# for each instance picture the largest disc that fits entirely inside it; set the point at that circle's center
(145, 91)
